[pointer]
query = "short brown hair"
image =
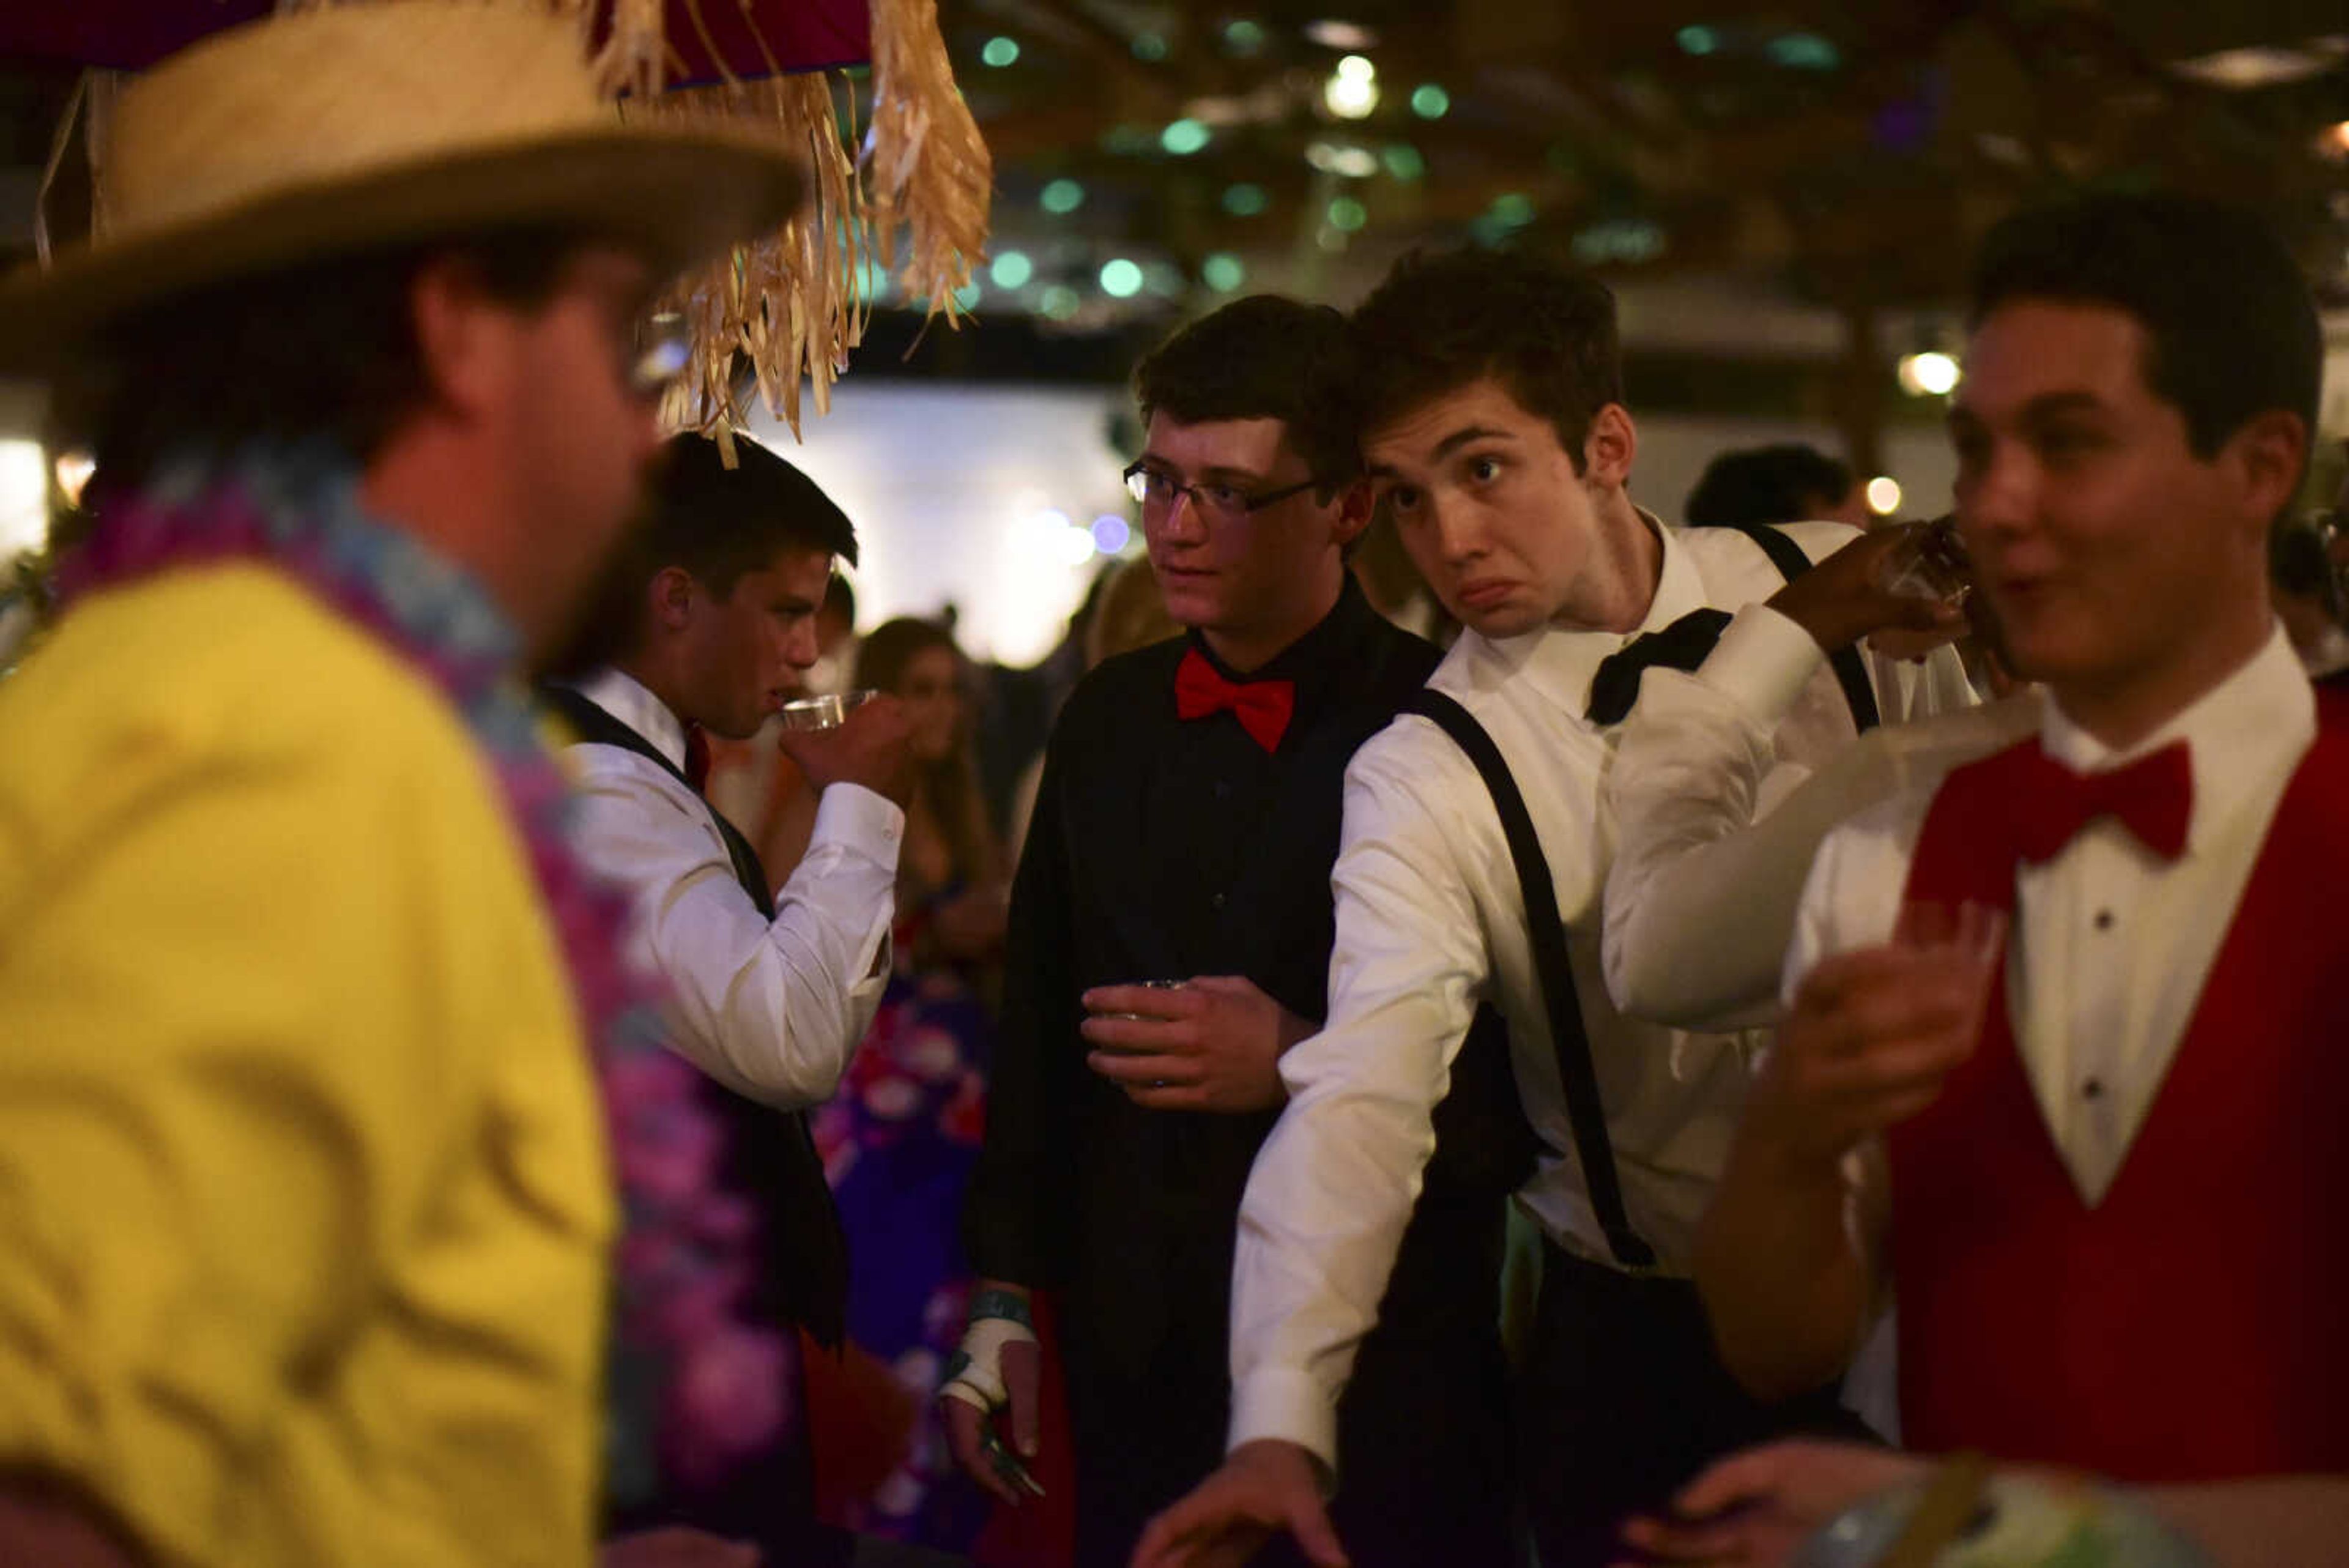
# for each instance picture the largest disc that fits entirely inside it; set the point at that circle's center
(1443, 319)
(1264, 357)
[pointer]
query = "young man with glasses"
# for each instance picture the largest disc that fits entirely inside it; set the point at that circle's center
(1171, 929)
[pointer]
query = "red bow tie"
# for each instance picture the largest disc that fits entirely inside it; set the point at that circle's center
(1263, 707)
(2153, 797)
(696, 757)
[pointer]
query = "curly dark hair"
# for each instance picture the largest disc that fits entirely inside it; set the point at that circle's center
(1783, 484)
(2231, 327)
(1443, 319)
(1264, 357)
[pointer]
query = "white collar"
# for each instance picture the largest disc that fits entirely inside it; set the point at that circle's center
(2251, 726)
(1558, 661)
(626, 699)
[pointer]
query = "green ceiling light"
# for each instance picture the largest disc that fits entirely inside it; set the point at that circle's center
(1149, 47)
(1012, 269)
(1244, 200)
(1242, 37)
(1120, 279)
(1620, 240)
(1430, 102)
(1515, 209)
(1001, 51)
(1061, 197)
(1699, 40)
(1804, 52)
(1183, 137)
(1222, 271)
(1059, 302)
(967, 297)
(1348, 215)
(1404, 161)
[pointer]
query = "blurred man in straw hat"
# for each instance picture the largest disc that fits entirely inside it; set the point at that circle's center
(304, 1182)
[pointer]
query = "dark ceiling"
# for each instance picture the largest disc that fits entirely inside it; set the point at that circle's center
(1789, 164)
(1843, 153)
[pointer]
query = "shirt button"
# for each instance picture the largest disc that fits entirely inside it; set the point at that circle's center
(1215, 901)
(2104, 919)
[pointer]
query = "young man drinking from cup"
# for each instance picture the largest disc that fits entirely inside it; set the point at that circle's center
(708, 616)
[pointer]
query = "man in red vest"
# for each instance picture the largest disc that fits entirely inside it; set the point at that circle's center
(2096, 1160)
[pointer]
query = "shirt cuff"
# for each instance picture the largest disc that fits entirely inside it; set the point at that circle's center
(1289, 1406)
(855, 817)
(1762, 663)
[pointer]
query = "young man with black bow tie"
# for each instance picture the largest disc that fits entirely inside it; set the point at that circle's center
(2097, 1162)
(1184, 833)
(1489, 398)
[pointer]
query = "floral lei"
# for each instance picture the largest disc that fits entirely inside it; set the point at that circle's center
(691, 1383)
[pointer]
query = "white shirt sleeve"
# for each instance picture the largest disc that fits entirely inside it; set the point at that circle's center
(1698, 909)
(1708, 872)
(1852, 900)
(1333, 1187)
(771, 1009)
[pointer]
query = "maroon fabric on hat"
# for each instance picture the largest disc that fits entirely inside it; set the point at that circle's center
(131, 35)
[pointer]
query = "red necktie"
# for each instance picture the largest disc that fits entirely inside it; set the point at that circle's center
(2153, 797)
(696, 757)
(1263, 707)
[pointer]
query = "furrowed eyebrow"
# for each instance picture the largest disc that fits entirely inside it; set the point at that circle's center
(2046, 406)
(1216, 475)
(1467, 435)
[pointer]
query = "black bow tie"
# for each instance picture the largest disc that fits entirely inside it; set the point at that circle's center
(1682, 645)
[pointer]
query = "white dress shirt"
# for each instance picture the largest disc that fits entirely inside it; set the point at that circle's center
(2111, 944)
(1707, 874)
(771, 1009)
(1429, 923)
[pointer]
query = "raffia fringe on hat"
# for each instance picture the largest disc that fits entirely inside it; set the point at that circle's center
(794, 303)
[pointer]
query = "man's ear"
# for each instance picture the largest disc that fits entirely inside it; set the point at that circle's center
(1610, 448)
(1355, 507)
(463, 339)
(672, 592)
(2266, 460)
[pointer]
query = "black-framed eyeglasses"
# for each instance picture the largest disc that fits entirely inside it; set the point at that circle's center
(1156, 489)
(658, 353)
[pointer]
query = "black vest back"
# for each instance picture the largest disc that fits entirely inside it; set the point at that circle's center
(770, 1153)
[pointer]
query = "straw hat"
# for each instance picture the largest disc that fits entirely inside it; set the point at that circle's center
(352, 127)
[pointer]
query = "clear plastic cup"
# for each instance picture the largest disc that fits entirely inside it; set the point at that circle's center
(1928, 563)
(828, 710)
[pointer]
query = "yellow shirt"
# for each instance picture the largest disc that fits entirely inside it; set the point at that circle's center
(302, 1196)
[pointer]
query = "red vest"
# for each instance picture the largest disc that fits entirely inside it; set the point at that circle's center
(2195, 1323)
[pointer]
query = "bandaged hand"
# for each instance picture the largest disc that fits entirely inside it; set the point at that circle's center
(997, 1370)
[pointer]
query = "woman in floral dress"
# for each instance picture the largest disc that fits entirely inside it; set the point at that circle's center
(899, 1140)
